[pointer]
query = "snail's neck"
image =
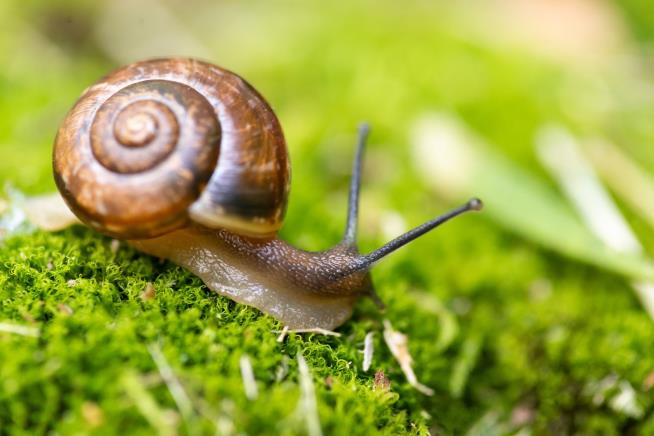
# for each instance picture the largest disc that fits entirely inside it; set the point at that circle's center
(329, 271)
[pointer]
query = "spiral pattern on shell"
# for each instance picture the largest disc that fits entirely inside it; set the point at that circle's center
(158, 142)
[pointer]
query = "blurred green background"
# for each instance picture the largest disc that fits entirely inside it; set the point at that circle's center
(515, 338)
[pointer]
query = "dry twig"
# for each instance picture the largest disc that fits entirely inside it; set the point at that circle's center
(249, 383)
(308, 404)
(368, 350)
(172, 382)
(398, 343)
(18, 329)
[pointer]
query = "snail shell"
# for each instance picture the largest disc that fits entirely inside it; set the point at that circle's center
(158, 143)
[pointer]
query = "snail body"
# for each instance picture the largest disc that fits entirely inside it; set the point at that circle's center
(188, 162)
(300, 288)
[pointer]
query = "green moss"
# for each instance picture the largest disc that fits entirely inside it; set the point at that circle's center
(95, 329)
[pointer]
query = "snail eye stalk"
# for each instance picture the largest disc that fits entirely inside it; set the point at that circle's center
(355, 187)
(473, 204)
(349, 239)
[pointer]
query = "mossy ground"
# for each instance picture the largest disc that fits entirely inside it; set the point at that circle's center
(510, 337)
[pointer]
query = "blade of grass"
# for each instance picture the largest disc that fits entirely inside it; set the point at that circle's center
(624, 176)
(162, 421)
(464, 364)
(308, 406)
(457, 164)
(560, 153)
(17, 329)
(172, 382)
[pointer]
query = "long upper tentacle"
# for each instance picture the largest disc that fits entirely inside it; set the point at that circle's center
(355, 187)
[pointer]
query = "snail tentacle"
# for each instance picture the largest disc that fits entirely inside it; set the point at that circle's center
(355, 188)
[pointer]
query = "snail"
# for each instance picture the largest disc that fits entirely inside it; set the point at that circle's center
(188, 162)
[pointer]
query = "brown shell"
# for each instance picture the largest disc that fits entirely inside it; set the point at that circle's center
(161, 141)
